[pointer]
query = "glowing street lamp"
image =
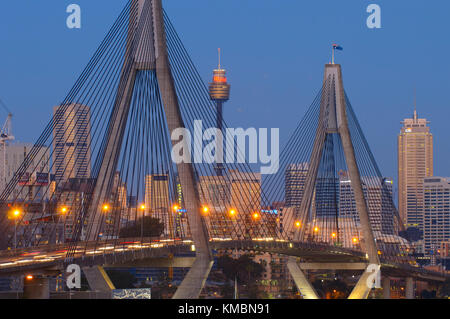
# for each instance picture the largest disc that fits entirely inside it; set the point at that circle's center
(15, 214)
(316, 229)
(256, 216)
(355, 240)
(205, 210)
(232, 212)
(298, 224)
(105, 208)
(64, 210)
(175, 208)
(333, 235)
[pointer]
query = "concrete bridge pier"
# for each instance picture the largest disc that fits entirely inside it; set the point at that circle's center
(386, 283)
(99, 281)
(409, 288)
(302, 283)
(36, 288)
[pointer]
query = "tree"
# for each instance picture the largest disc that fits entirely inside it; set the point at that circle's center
(163, 288)
(144, 227)
(245, 270)
(444, 290)
(122, 279)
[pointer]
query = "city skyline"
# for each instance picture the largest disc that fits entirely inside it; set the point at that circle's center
(299, 64)
(118, 188)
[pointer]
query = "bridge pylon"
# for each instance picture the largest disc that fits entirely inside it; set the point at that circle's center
(333, 120)
(147, 50)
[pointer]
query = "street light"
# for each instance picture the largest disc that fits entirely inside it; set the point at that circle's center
(355, 240)
(205, 210)
(105, 207)
(298, 224)
(15, 214)
(232, 212)
(256, 216)
(64, 211)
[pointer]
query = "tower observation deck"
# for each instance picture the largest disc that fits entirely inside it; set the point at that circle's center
(219, 92)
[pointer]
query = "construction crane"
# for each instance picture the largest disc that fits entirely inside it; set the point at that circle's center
(5, 136)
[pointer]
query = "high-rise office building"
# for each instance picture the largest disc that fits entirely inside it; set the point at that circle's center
(245, 192)
(32, 185)
(436, 217)
(415, 162)
(295, 177)
(71, 142)
(157, 200)
(236, 191)
(378, 194)
(246, 200)
(326, 197)
(214, 193)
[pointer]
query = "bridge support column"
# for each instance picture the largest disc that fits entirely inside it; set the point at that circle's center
(364, 285)
(409, 288)
(302, 283)
(36, 288)
(386, 288)
(99, 280)
(195, 279)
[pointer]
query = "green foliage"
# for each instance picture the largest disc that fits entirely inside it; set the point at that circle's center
(122, 279)
(143, 227)
(163, 288)
(227, 291)
(246, 271)
(444, 290)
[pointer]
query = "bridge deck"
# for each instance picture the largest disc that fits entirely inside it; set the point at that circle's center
(52, 258)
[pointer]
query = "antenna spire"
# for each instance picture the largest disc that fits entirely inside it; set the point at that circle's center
(415, 105)
(219, 58)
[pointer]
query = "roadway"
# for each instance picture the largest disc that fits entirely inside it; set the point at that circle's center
(53, 258)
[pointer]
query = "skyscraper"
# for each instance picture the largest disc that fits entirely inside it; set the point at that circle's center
(295, 177)
(415, 162)
(33, 183)
(436, 221)
(245, 192)
(378, 194)
(71, 142)
(246, 200)
(214, 192)
(157, 200)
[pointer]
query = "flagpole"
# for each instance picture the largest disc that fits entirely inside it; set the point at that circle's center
(332, 55)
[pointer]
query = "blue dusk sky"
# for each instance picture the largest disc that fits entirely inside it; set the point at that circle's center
(274, 52)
